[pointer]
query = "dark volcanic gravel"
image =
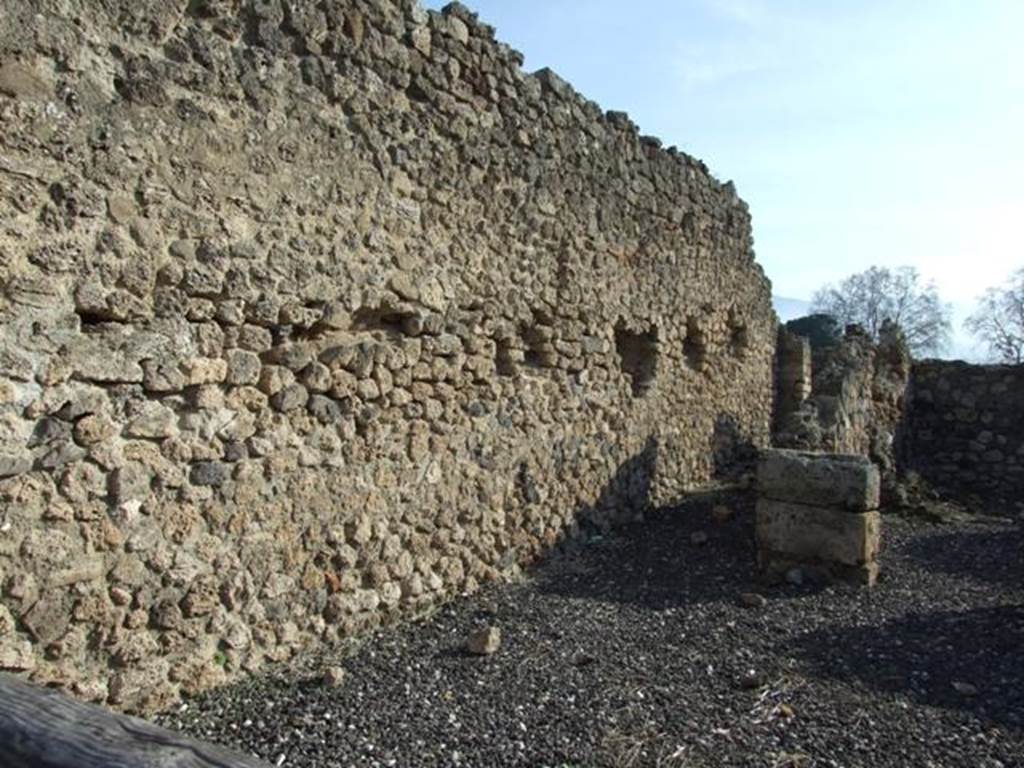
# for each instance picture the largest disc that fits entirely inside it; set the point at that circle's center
(635, 650)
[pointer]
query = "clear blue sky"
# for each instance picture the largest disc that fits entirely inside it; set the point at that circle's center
(861, 132)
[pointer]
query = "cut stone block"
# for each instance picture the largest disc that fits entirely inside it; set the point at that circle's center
(817, 533)
(818, 479)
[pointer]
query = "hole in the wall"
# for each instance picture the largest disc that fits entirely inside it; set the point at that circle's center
(694, 347)
(526, 485)
(419, 90)
(200, 8)
(638, 356)
(312, 333)
(690, 223)
(504, 358)
(533, 358)
(739, 338)
(539, 353)
(381, 320)
(94, 320)
(732, 451)
(739, 335)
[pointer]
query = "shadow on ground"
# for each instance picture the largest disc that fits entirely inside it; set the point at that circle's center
(979, 555)
(657, 564)
(970, 660)
(632, 648)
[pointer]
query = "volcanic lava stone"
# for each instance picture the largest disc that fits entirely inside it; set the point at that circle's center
(212, 473)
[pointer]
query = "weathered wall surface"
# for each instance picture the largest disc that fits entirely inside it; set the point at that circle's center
(847, 398)
(315, 313)
(964, 430)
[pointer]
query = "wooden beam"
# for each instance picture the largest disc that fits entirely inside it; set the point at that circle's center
(44, 728)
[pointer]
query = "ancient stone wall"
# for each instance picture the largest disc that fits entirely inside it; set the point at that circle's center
(847, 398)
(315, 313)
(794, 377)
(964, 430)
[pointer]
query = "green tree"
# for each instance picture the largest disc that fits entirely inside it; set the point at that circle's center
(821, 330)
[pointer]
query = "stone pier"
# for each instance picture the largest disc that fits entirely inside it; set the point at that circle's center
(818, 514)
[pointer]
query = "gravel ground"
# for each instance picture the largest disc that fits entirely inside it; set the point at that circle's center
(635, 650)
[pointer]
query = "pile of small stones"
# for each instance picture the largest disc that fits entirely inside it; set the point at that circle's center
(650, 648)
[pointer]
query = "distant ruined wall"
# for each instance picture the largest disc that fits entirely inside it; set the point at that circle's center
(964, 430)
(313, 314)
(847, 398)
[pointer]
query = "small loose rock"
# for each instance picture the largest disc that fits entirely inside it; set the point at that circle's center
(752, 679)
(753, 600)
(965, 689)
(334, 677)
(484, 642)
(721, 514)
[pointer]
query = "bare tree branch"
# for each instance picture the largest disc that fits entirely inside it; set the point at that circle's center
(999, 320)
(870, 298)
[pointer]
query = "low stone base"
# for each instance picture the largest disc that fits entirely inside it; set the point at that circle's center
(814, 533)
(817, 517)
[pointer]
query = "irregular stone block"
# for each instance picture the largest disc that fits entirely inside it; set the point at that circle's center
(47, 619)
(14, 465)
(107, 369)
(162, 376)
(274, 379)
(89, 568)
(152, 420)
(18, 656)
(241, 427)
(209, 473)
(243, 367)
(6, 621)
(80, 402)
(484, 642)
(49, 431)
(823, 480)
(290, 398)
(132, 481)
(34, 292)
(294, 357)
(317, 378)
(818, 533)
(206, 397)
(24, 80)
(94, 428)
(15, 365)
(325, 410)
(61, 454)
(205, 370)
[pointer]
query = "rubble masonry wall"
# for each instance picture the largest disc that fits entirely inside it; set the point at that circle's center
(964, 429)
(314, 314)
